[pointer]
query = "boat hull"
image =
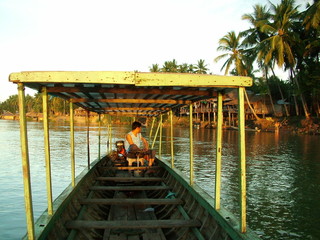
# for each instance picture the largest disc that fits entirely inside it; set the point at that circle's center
(109, 201)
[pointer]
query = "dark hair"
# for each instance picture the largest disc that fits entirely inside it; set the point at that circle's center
(135, 125)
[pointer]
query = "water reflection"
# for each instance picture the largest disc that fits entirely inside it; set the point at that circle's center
(283, 178)
(283, 174)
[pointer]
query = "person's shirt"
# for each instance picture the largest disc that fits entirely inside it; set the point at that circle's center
(135, 139)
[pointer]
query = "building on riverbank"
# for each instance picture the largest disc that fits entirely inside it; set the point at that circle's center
(8, 116)
(205, 111)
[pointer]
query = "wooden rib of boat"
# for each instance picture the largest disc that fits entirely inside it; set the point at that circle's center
(110, 202)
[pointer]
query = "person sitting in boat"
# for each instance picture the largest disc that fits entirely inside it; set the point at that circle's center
(136, 145)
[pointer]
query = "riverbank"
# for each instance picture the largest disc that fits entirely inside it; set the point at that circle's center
(296, 125)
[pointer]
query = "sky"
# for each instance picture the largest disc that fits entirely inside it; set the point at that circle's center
(118, 35)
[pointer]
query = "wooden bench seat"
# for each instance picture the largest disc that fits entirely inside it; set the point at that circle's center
(137, 224)
(131, 201)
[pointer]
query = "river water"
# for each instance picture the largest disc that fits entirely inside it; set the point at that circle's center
(283, 174)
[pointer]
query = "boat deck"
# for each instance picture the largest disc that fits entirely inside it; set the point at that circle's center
(130, 200)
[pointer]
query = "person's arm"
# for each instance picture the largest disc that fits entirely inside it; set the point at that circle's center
(129, 139)
(145, 144)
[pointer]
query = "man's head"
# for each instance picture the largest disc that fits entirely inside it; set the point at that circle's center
(136, 125)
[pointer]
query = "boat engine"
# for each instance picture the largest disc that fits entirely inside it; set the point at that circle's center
(121, 151)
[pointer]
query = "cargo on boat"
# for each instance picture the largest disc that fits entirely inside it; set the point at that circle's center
(112, 199)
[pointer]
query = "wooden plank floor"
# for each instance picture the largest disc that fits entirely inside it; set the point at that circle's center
(129, 188)
(132, 201)
(130, 178)
(132, 214)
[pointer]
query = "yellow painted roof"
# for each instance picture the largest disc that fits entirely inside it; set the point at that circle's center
(136, 93)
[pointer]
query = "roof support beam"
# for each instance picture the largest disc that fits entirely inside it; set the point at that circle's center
(135, 109)
(160, 101)
(132, 91)
(134, 114)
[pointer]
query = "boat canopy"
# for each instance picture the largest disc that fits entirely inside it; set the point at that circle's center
(129, 93)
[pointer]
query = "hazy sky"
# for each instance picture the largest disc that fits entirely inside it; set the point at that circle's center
(118, 35)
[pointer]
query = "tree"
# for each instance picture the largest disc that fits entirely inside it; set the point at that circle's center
(231, 44)
(183, 68)
(11, 104)
(283, 39)
(191, 68)
(201, 67)
(170, 66)
(154, 68)
(254, 38)
(312, 16)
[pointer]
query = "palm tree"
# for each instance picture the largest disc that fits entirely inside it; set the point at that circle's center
(312, 16)
(154, 68)
(183, 68)
(191, 68)
(282, 39)
(280, 31)
(29, 103)
(253, 38)
(37, 107)
(254, 35)
(231, 44)
(311, 22)
(170, 66)
(201, 67)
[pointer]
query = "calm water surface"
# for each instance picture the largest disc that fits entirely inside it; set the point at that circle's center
(283, 174)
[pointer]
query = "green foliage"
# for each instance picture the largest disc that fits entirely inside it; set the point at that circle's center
(279, 34)
(10, 105)
(34, 104)
(174, 67)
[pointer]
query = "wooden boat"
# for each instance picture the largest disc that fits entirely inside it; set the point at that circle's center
(111, 203)
(247, 129)
(106, 201)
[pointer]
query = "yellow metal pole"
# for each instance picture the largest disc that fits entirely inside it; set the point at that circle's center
(47, 148)
(109, 146)
(160, 137)
(25, 162)
(73, 169)
(171, 139)
(88, 140)
(191, 142)
(152, 125)
(107, 117)
(242, 158)
(110, 135)
(99, 138)
(156, 135)
(218, 153)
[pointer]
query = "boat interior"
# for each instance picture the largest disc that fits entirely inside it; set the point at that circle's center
(135, 203)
